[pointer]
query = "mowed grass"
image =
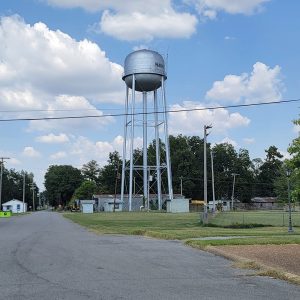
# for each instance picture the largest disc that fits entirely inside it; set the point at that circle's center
(164, 226)
(273, 218)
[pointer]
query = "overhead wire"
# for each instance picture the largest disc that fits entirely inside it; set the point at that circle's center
(151, 112)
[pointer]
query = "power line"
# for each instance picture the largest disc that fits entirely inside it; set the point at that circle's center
(149, 113)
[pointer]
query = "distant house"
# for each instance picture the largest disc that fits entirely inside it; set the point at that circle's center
(264, 202)
(15, 206)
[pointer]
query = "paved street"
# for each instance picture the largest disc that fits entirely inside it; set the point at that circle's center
(44, 256)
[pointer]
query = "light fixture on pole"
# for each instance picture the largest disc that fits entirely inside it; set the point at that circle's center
(232, 195)
(288, 175)
(1, 176)
(206, 127)
(213, 180)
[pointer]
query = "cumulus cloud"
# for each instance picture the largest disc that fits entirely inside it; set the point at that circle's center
(145, 26)
(30, 152)
(137, 20)
(210, 8)
(69, 106)
(66, 66)
(53, 139)
(262, 85)
(228, 140)
(58, 155)
(192, 122)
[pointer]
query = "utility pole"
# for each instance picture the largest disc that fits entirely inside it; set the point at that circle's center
(205, 171)
(33, 187)
(288, 174)
(1, 176)
(213, 180)
(232, 196)
(181, 185)
(23, 192)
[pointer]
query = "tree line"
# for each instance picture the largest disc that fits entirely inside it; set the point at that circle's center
(12, 187)
(257, 177)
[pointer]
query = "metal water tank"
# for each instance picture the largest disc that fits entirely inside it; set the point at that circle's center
(148, 67)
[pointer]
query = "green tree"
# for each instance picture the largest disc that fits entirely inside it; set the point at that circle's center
(61, 182)
(269, 171)
(109, 172)
(86, 190)
(91, 171)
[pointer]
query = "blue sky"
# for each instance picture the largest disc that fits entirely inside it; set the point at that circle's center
(65, 57)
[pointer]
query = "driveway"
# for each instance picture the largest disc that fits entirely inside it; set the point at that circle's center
(44, 256)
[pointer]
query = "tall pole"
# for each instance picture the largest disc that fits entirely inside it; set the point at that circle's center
(124, 146)
(289, 198)
(205, 171)
(1, 177)
(213, 179)
(131, 142)
(145, 160)
(23, 192)
(232, 195)
(181, 186)
(167, 144)
(157, 150)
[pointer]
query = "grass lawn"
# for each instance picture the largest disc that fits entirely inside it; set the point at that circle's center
(274, 218)
(167, 226)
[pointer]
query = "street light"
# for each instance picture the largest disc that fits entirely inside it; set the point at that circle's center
(288, 175)
(205, 171)
(232, 196)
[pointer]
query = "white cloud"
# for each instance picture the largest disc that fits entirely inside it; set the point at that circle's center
(210, 8)
(146, 26)
(228, 140)
(62, 106)
(58, 155)
(30, 152)
(262, 85)
(249, 141)
(53, 139)
(296, 129)
(137, 20)
(192, 122)
(41, 64)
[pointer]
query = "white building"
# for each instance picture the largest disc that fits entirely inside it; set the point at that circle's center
(87, 206)
(15, 206)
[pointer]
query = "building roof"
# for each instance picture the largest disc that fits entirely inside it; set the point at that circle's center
(264, 199)
(13, 201)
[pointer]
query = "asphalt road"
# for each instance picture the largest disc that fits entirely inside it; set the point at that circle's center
(44, 256)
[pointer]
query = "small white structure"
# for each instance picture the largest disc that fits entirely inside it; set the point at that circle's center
(15, 206)
(113, 205)
(87, 206)
(180, 205)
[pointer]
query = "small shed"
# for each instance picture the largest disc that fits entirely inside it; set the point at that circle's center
(15, 206)
(180, 205)
(113, 205)
(87, 206)
(264, 202)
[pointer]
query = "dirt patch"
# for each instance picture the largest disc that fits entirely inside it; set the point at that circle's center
(284, 257)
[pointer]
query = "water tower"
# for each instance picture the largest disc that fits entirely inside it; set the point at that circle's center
(145, 114)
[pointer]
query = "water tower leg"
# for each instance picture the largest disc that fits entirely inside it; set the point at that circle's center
(124, 146)
(131, 142)
(145, 160)
(157, 150)
(168, 160)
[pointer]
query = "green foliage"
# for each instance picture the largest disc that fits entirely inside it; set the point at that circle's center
(60, 183)
(85, 191)
(91, 171)
(12, 186)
